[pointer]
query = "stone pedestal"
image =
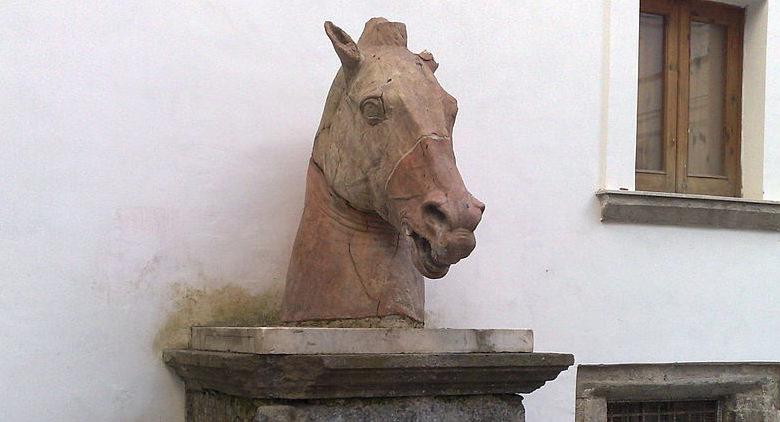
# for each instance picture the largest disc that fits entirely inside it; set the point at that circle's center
(317, 374)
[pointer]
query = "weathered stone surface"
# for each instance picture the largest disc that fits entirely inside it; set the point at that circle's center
(209, 406)
(288, 340)
(389, 321)
(385, 203)
(747, 392)
(688, 210)
(365, 375)
(257, 385)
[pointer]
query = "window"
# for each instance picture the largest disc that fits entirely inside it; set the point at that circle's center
(689, 97)
(664, 411)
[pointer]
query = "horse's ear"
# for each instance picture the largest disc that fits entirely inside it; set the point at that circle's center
(346, 49)
(428, 60)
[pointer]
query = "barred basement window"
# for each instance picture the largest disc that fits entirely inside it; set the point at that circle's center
(663, 411)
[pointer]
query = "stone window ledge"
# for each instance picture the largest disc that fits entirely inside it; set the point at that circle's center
(745, 391)
(688, 210)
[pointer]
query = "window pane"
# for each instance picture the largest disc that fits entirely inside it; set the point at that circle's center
(650, 124)
(706, 142)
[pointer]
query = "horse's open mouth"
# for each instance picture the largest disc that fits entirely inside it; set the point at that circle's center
(424, 258)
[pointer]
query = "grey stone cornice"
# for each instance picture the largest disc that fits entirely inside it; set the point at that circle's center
(364, 375)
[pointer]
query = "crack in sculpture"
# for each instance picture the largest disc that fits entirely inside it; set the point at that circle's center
(382, 164)
(357, 273)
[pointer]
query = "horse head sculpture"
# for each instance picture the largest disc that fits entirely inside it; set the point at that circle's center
(385, 202)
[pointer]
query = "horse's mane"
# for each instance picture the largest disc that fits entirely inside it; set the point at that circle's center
(378, 31)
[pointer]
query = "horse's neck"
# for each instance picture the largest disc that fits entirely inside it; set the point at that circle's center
(346, 263)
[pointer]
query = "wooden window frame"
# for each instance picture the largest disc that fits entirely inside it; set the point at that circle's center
(674, 177)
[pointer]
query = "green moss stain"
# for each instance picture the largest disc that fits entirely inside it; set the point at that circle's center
(229, 305)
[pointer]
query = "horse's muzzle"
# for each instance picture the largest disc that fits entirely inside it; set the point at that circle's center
(439, 238)
(430, 204)
(452, 225)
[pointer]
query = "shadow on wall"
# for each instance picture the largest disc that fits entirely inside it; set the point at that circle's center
(229, 305)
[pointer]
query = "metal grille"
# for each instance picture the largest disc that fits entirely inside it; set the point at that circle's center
(667, 411)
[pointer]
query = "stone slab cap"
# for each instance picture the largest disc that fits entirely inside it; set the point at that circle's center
(302, 341)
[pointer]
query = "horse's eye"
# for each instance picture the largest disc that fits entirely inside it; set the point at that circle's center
(373, 110)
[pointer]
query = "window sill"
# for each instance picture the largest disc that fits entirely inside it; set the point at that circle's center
(688, 210)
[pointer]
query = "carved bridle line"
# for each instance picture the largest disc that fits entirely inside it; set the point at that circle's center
(432, 136)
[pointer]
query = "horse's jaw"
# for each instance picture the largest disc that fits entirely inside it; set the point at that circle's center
(423, 255)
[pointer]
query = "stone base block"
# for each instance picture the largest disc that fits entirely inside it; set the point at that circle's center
(342, 374)
(210, 406)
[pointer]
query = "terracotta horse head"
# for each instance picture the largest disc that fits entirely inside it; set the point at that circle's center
(385, 202)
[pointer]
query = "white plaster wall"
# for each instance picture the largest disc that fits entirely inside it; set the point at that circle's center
(149, 147)
(620, 64)
(772, 113)
(754, 70)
